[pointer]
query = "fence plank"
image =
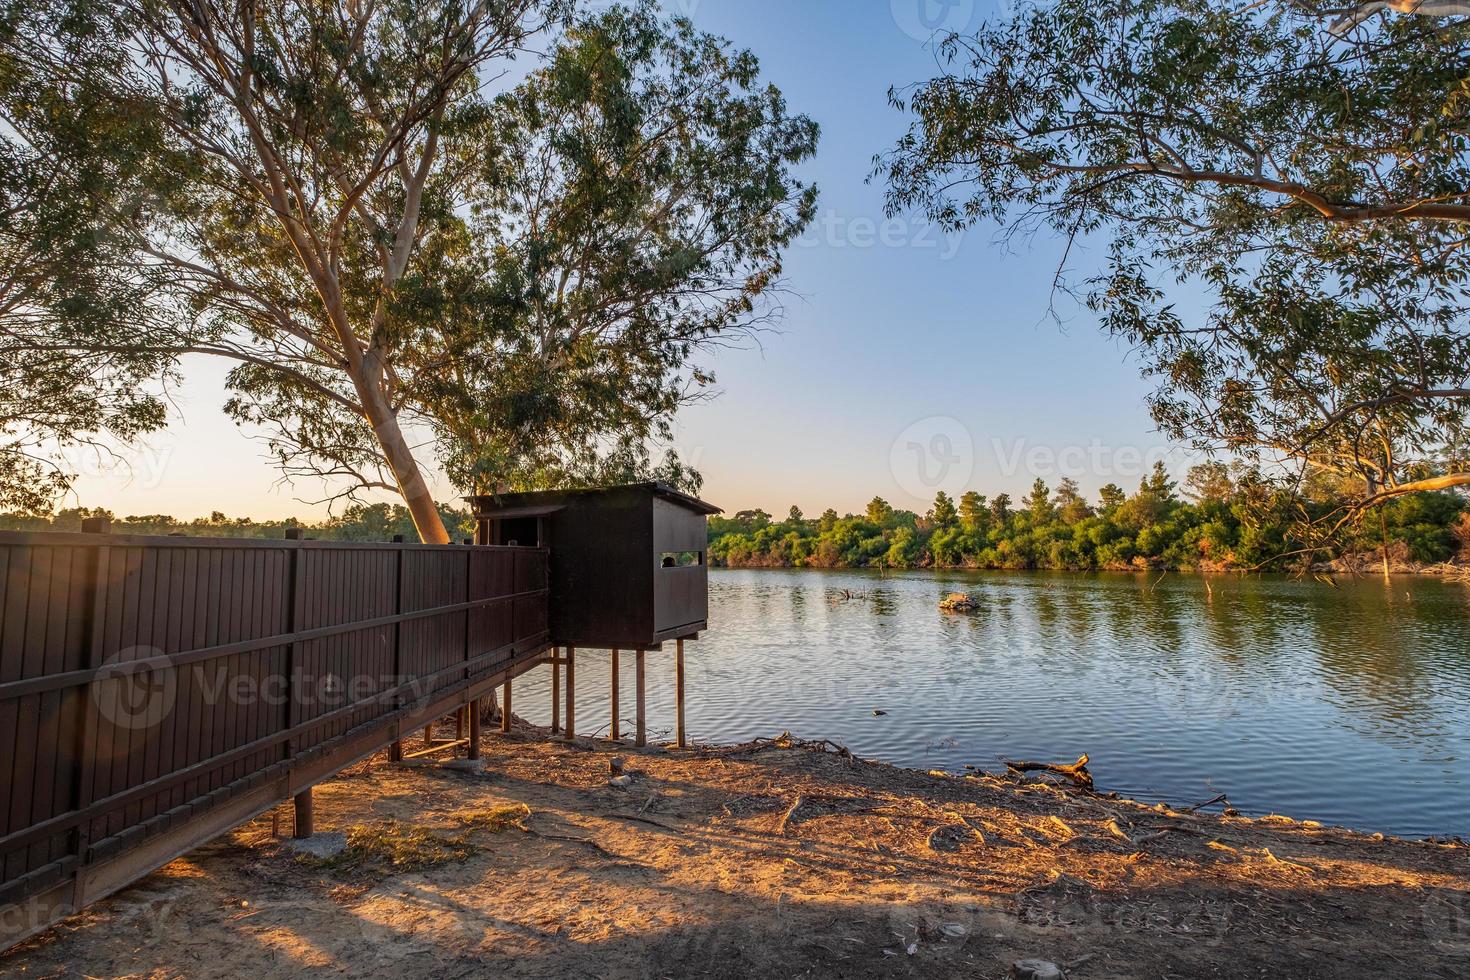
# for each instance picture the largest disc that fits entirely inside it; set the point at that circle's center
(225, 624)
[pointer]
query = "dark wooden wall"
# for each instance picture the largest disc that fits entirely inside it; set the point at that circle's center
(608, 586)
(681, 595)
(160, 689)
(601, 579)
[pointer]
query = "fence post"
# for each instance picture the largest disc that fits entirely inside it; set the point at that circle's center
(297, 584)
(305, 823)
(395, 751)
(555, 690)
(469, 614)
(615, 731)
(571, 692)
(86, 751)
(679, 694)
(640, 731)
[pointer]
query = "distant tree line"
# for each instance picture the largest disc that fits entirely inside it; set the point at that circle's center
(360, 522)
(1222, 518)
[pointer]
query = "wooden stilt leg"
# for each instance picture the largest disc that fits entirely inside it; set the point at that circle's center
(459, 723)
(555, 690)
(429, 734)
(474, 752)
(615, 732)
(640, 733)
(679, 693)
(505, 711)
(395, 751)
(571, 692)
(304, 816)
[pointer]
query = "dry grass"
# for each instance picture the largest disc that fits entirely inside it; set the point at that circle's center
(496, 819)
(387, 847)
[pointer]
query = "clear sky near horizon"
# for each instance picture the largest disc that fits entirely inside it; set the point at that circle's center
(906, 361)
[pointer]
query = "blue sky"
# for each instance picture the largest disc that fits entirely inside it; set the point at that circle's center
(906, 362)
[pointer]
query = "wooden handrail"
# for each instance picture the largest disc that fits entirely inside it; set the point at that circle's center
(125, 668)
(65, 821)
(82, 538)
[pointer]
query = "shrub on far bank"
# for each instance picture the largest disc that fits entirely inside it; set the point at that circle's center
(1235, 524)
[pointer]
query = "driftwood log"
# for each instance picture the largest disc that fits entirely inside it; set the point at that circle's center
(1076, 772)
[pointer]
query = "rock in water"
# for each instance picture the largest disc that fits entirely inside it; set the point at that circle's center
(1036, 970)
(958, 602)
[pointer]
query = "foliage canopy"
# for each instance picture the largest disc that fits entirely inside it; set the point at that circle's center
(400, 245)
(77, 374)
(1308, 177)
(1242, 521)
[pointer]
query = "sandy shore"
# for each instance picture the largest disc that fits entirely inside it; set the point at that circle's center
(772, 860)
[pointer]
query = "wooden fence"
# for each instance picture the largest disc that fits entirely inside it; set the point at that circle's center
(155, 692)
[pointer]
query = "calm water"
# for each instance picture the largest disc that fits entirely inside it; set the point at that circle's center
(1348, 705)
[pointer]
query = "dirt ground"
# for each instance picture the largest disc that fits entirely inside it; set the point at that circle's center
(776, 859)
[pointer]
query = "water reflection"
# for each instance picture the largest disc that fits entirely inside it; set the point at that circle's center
(1341, 704)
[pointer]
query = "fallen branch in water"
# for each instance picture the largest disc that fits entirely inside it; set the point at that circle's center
(783, 741)
(1222, 798)
(1076, 772)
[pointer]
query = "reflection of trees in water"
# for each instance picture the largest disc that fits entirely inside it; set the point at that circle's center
(1395, 656)
(761, 597)
(891, 629)
(1056, 620)
(1388, 667)
(1165, 613)
(1135, 614)
(1082, 610)
(1256, 627)
(1245, 646)
(798, 606)
(997, 615)
(1046, 617)
(883, 602)
(1234, 621)
(1198, 651)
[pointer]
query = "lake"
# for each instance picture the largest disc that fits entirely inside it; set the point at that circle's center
(1348, 705)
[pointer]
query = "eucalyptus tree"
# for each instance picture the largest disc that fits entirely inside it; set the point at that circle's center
(76, 373)
(409, 245)
(1283, 194)
(634, 208)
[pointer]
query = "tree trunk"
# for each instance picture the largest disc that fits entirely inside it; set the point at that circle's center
(1383, 529)
(405, 468)
(490, 708)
